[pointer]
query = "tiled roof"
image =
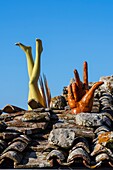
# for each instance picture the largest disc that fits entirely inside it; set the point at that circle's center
(54, 138)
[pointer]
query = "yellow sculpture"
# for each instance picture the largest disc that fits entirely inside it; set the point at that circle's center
(34, 71)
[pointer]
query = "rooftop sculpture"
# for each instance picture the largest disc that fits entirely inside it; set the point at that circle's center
(35, 93)
(80, 97)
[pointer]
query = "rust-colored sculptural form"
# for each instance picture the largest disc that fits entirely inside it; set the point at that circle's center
(80, 97)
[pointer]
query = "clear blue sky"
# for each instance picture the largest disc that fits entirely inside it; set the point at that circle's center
(72, 31)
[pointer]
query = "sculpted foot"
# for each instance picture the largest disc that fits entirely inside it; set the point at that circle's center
(23, 47)
(39, 46)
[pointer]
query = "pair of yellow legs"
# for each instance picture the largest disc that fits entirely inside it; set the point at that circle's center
(33, 70)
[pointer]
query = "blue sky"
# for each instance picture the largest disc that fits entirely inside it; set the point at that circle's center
(72, 31)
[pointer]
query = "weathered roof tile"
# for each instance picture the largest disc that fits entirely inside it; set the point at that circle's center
(34, 160)
(11, 109)
(36, 116)
(17, 146)
(13, 155)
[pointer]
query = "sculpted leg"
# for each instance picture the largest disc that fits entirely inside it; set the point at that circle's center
(33, 87)
(30, 62)
(28, 53)
(36, 68)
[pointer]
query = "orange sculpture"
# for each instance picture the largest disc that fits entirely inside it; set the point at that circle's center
(80, 97)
